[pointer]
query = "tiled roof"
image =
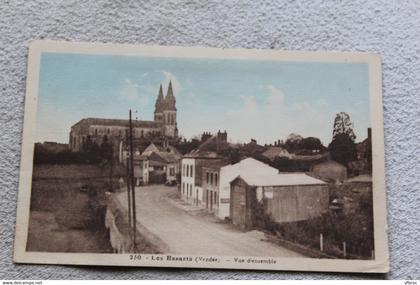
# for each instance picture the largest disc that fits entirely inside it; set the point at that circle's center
(201, 154)
(169, 157)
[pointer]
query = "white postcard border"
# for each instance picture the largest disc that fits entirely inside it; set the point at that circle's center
(379, 264)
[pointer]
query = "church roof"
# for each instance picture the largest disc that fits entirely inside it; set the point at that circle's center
(119, 122)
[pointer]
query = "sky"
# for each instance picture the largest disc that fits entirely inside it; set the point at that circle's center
(259, 99)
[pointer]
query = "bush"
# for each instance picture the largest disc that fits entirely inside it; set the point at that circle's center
(355, 229)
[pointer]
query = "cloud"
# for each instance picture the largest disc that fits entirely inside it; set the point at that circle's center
(176, 85)
(274, 119)
(131, 91)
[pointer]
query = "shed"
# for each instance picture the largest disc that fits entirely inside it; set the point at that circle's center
(281, 198)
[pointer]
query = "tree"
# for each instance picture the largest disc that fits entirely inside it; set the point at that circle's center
(342, 149)
(293, 142)
(311, 143)
(343, 125)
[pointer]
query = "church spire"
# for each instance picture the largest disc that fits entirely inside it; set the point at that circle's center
(170, 98)
(159, 101)
(170, 91)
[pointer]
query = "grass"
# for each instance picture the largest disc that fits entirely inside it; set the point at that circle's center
(63, 218)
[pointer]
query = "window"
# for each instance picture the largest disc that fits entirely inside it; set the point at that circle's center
(215, 179)
(172, 171)
(191, 170)
(96, 132)
(142, 133)
(109, 130)
(208, 178)
(190, 190)
(215, 198)
(211, 178)
(188, 170)
(119, 132)
(183, 188)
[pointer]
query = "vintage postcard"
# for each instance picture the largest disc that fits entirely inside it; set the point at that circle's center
(202, 157)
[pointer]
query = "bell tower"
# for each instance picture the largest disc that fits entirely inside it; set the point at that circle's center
(169, 114)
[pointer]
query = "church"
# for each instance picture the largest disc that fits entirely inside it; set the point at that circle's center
(98, 130)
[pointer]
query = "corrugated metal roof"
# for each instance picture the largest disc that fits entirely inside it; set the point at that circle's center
(280, 179)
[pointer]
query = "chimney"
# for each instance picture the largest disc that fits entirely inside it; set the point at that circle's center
(369, 134)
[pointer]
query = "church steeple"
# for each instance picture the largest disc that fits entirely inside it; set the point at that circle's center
(159, 105)
(170, 98)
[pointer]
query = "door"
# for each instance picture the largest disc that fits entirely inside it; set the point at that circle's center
(196, 197)
(238, 204)
(211, 200)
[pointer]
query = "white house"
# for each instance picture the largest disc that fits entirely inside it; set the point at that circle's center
(192, 173)
(216, 182)
(188, 179)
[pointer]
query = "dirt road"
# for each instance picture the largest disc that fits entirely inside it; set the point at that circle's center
(184, 233)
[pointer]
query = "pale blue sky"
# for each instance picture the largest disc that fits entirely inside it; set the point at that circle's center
(265, 100)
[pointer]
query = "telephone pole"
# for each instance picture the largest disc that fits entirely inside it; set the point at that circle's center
(130, 214)
(133, 192)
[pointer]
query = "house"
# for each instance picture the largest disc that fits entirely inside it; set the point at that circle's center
(211, 185)
(171, 165)
(140, 166)
(163, 162)
(216, 182)
(276, 198)
(191, 174)
(163, 167)
(141, 169)
(252, 148)
(160, 149)
(330, 170)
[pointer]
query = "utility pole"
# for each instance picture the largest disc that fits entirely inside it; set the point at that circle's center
(133, 192)
(130, 214)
